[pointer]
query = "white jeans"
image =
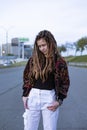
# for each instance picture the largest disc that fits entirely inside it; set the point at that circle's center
(38, 101)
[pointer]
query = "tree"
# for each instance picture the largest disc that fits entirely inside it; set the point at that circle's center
(82, 44)
(62, 48)
(76, 47)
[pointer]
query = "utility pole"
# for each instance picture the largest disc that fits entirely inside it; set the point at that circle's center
(6, 37)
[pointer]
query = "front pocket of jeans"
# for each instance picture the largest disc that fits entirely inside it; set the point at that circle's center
(33, 101)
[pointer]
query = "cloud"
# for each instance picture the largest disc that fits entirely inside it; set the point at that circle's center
(66, 19)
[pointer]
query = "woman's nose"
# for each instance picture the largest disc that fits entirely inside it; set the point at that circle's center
(42, 47)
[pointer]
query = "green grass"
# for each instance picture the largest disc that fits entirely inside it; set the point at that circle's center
(23, 63)
(82, 58)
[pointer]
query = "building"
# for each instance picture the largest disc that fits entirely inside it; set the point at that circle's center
(5, 49)
(20, 47)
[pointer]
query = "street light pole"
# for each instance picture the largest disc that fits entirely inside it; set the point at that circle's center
(6, 31)
(7, 41)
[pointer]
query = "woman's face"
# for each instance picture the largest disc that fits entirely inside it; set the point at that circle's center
(42, 45)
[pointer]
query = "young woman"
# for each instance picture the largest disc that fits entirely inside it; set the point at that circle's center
(46, 83)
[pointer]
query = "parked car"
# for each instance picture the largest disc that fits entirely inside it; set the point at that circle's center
(7, 63)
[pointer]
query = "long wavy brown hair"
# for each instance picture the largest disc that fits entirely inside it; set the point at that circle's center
(42, 66)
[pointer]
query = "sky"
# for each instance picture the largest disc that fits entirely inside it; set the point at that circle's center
(66, 19)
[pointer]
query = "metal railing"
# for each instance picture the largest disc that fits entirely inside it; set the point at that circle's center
(78, 64)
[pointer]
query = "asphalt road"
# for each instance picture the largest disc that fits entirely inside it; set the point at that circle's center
(73, 112)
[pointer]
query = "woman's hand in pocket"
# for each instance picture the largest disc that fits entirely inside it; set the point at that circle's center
(54, 106)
